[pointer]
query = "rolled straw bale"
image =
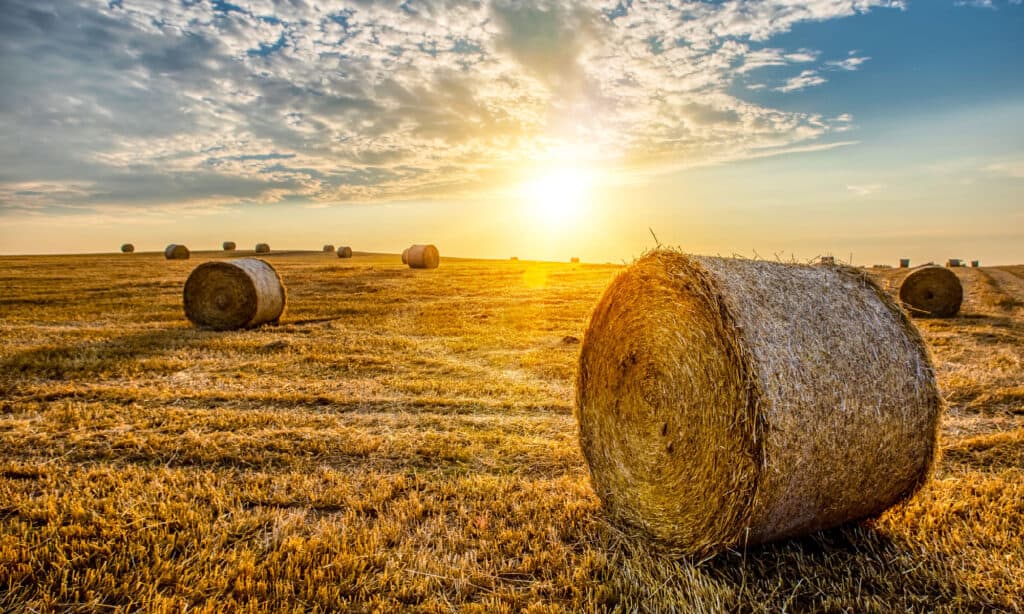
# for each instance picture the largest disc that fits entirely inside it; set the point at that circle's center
(904, 263)
(574, 259)
(230, 294)
(262, 248)
(229, 246)
(423, 257)
(975, 264)
(127, 248)
(176, 252)
(344, 252)
(405, 256)
(931, 292)
(328, 248)
(515, 258)
(954, 262)
(724, 402)
(827, 260)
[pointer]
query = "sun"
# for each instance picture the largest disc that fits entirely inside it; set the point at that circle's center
(555, 199)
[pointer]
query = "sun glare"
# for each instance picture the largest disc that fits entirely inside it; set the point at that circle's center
(556, 198)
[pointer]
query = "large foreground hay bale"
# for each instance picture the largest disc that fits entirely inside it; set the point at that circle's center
(932, 292)
(344, 252)
(176, 252)
(262, 248)
(423, 257)
(229, 246)
(724, 402)
(328, 248)
(231, 294)
(127, 248)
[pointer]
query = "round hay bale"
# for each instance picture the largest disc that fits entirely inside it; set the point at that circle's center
(725, 402)
(176, 252)
(904, 263)
(975, 264)
(574, 260)
(262, 248)
(514, 258)
(328, 248)
(827, 260)
(230, 294)
(931, 292)
(344, 252)
(405, 256)
(229, 246)
(423, 257)
(127, 248)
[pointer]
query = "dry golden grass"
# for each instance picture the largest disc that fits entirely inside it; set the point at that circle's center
(404, 441)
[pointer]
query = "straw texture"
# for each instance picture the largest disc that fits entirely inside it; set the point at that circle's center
(724, 402)
(127, 248)
(176, 252)
(931, 292)
(229, 246)
(423, 257)
(344, 252)
(262, 248)
(231, 294)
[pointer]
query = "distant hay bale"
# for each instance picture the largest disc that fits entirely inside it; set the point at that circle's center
(931, 292)
(405, 256)
(975, 263)
(229, 246)
(725, 402)
(574, 259)
(262, 248)
(423, 257)
(328, 248)
(344, 252)
(127, 248)
(828, 260)
(231, 294)
(904, 263)
(954, 262)
(176, 252)
(514, 258)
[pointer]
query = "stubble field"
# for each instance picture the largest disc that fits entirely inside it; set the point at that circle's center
(404, 441)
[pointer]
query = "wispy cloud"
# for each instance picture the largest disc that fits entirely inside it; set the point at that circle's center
(1009, 168)
(154, 103)
(865, 189)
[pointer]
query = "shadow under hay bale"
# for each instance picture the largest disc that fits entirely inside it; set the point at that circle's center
(423, 257)
(228, 246)
(931, 292)
(231, 294)
(344, 252)
(127, 248)
(328, 248)
(176, 252)
(716, 410)
(262, 248)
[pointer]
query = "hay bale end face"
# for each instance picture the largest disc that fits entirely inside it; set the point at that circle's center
(328, 248)
(344, 252)
(405, 256)
(932, 292)
(229, 246)
(175, 251)
(232, 294)
(707, 424)
(423, 257)
(127, 248)
(262, 248)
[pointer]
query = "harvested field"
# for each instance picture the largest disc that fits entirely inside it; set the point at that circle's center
(406, 442)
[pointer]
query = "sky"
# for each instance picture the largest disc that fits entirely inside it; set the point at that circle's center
(870, 130)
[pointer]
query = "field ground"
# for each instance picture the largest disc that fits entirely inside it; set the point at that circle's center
(405, 440)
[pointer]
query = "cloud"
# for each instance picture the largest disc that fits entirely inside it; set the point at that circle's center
(1008, 168)
(985, 4)
(150, 103)
(806, 79)
(865, 189)
(852, 62)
